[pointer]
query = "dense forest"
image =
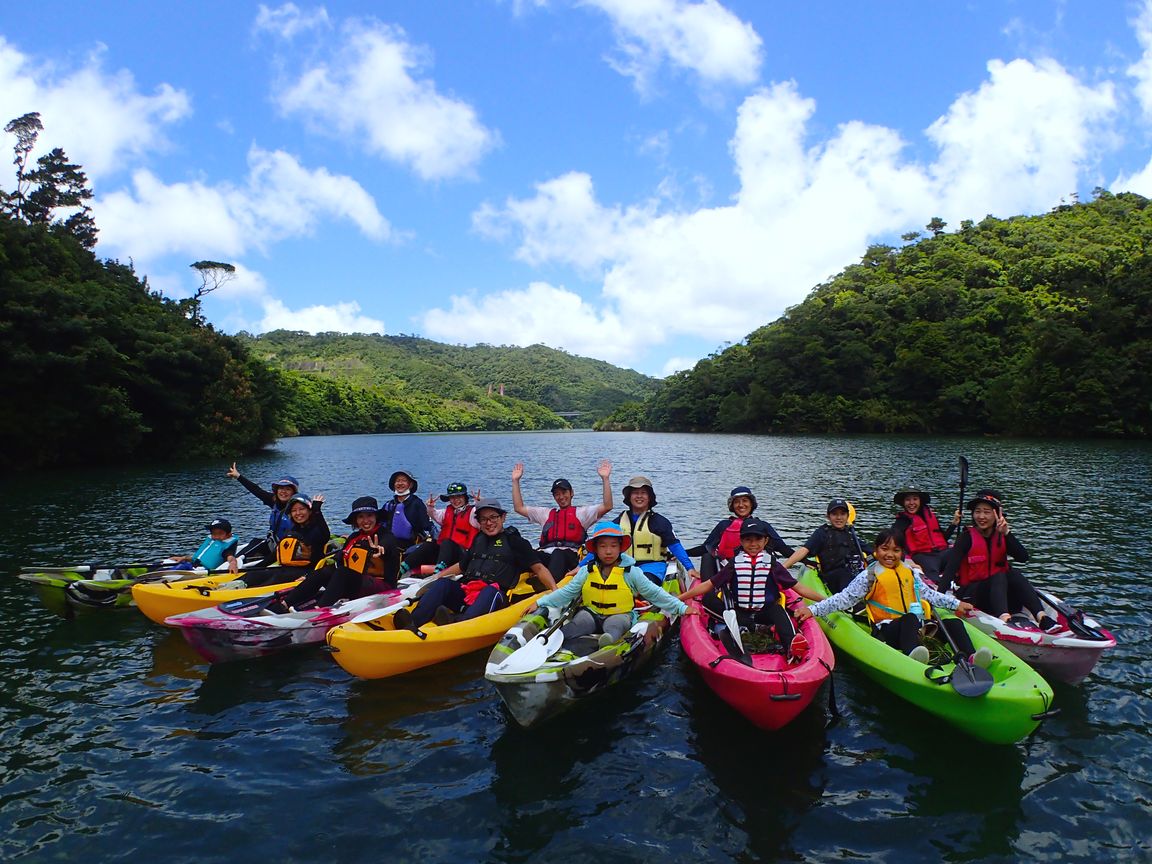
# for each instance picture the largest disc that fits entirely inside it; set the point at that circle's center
(1025, 326)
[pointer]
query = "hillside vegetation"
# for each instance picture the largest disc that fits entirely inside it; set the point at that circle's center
(1025, 326)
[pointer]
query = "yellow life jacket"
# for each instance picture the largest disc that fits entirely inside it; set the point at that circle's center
(290, 552)
(646, 546)
(892, 594)
(607, 594)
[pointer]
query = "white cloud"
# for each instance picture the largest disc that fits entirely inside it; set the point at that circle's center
(1017, 144)
(1141, 70)
(702, 37)
(280, 198)
(288, 20)
(337, 317)
(369, 90)
(100, 119)
(539, 313)
(676, 364)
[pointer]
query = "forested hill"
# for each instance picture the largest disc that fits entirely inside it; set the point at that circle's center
(420, 369)
(1024, 326)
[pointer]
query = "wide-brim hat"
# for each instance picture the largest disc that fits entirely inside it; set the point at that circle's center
(453, 490)
(607, 529)
(286, 480)
(987, 496)
(640, 482)
(898, 498)
(741, 492)
(489, 504)
(364, 504)
(411, 479)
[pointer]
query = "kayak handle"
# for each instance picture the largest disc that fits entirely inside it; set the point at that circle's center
(1044, 715)
(784, 697)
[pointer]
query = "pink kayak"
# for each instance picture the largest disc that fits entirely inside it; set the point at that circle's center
(770, 692)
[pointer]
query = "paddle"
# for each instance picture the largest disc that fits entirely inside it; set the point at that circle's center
(536, 650)
(976, 681)
(407, 594)
(963, 481)
(1074, 617)
(246, 607)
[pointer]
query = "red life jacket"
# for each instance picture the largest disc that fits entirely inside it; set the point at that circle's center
(730, 539)
(923, 533)
(562, 528)
(458, 528)
(986, 557)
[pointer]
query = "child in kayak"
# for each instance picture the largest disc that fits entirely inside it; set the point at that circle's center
(219, 546)
(979, 564)
(302, 547)
(724, 541)
(897, 602)
(754, 584)
(282, 491)
(607, 589)
(842, 554)
(917, 525)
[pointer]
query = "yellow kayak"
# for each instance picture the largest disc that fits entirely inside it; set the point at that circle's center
(375, 649)
(159, 600)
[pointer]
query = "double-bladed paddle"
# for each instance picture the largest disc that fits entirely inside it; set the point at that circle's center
(536, 650)
(1074, 617)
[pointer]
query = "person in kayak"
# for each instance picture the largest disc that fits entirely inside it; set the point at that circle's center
(917, 525)
(606, 588)
(405, 515)
(841, 552)
(979, 565)
(897, 602)
(302, 547)
(282, 491)
(724, 541)
(754, 584)
(358, 568)
(491, 567)
(219, 546)
(457, 532)
(650, 534)
(563, 527)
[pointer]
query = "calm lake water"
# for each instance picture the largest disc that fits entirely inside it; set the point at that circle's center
(118, 743)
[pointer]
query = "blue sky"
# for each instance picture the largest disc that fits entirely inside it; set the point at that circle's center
(636, 180)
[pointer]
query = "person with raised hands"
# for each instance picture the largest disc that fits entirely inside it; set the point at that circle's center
(279, 521)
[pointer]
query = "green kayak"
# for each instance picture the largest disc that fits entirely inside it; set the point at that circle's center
(1009, 712)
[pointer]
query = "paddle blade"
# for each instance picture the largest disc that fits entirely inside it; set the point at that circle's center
(532, 654)
(733, 628)
(963, 472)
(373, 614)
(971, 681)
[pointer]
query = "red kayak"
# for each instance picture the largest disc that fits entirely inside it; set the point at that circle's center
(770, 692)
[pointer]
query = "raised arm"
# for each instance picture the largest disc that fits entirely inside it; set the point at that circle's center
(604, 469)
(517, 498)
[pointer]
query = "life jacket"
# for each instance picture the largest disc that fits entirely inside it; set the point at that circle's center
(892, 594)
(562, 529)
(730, 540)
(212, 553)
(840, 549)
(457, 527)
(754, 586)
(279, 524)
(646, 546)
(291, 551)
(923, 533)
(493, 560)
(607, 594)
(400, 525)
(987, 556)
(358, 556)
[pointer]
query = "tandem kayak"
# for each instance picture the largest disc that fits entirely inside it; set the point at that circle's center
(162, 600)
(220, 634)
(1065, 655)
(766, 689)
(577, 669)
(376, 649)
(1010, 711)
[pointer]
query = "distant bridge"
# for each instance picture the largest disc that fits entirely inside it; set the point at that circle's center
(567, 414)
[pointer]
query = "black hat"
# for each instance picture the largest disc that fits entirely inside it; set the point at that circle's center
(987, 496)
(363, 504)
(453, 490)
(754, 528)
(561, 483)
(738, 492)
(411, 479)
(220, 523)
(838, 504)
(898, 498)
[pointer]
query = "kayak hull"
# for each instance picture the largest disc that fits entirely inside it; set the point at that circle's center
(771, 692)
(221, 637)
(162, 600)
(1009, 712)
(564, 680)
(376, 649)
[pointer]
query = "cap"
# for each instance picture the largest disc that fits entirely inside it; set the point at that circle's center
(301, 498)
(561, 483)
(754, 528)
(220, 523)
(838, 504)
(286, 480)
(741, 492)
(489, 504)
(987, 496)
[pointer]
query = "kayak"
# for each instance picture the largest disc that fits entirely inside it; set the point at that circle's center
(767, 690)
(222, 635)
(162, 600)
(376, 649)
(578, 668)
(96, 586)
(1065, 655)
(1019, 699)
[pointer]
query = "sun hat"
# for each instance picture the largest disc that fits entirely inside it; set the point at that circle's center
(453, 490)
(411, 479)
(286, 480)
(363, 504)
(738, 492)
(489, 504)
(607, 529)
(640, 482)
(898, 498)
(987, 496)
